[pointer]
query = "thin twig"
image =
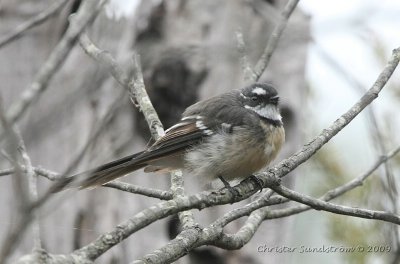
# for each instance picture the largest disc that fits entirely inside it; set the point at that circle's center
(244, 61)
(141, 99)
(109, 114)
(38, 170)
(122, 186)
(149, 192)
(84, 16)
(105, 59)
(34, 21)
(247, 209)
(186, 218)
(376, 133)
(273, 40)
(86, 13)
(139, 95)
(20, 184)
(334, 193)
(334, 208)
(33, 192)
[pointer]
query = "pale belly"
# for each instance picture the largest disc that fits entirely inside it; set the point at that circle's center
(233, 157)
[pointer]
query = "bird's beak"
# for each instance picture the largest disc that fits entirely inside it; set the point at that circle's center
(274, 100)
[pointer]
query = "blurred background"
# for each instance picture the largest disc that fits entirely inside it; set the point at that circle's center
(329, 54)
(352, 42)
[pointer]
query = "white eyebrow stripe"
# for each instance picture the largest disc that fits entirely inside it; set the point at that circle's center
(259, 91)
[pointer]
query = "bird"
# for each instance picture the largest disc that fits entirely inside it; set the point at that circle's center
(228, 137)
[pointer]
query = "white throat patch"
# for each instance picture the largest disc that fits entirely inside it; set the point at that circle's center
(268, 111)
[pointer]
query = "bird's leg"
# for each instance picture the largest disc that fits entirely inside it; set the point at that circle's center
(226, 184)
(232, 190)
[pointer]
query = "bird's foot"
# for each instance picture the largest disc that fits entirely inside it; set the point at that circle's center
(232, 190)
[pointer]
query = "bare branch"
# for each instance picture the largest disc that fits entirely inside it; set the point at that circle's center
(194, 237)
(149, 192)
(136, 87)
(334, 208)
(159, 211)
(122, 186)
(109, 113)
(33, 192)
(242, 237)
(186, 218)
(238, 240)
(376, 132)
(358, 181)
(138, 94)
(247, 187)
(274, 39)
(85, 15)
(38, 170)
(13, 142)
(244, 61)
(105, 59)
(34, 21)
(312, 147)
(20, 184)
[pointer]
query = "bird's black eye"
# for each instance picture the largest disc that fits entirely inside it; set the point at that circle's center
(254, 98)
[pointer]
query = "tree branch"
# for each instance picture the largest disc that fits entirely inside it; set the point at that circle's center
(334, 208)
(85, 15)
(214, 235)
(244, 61)
(273, 40)
(21, 188)
(34, 21)
(356, 182)
(289, 164)
(149, 192)
(246, 188)
(139, 97)
(109, 114)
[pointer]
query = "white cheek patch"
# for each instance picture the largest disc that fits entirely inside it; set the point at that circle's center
(259, 91)
(268, 111)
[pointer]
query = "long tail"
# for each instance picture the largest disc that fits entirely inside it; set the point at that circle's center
(102, 174)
